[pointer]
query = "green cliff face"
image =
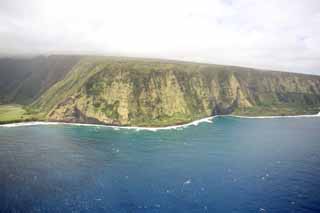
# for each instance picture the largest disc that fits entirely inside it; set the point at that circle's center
(22, 80)
(140, 92)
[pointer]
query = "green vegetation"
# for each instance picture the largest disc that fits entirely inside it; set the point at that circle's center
(281, 110)
(22, 80)
(16, 113)
(147, 92)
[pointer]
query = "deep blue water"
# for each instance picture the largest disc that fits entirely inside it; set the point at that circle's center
(230, 165)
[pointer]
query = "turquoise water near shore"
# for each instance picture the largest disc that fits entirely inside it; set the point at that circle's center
(229, 165)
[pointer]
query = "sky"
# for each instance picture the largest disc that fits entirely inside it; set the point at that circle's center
(273, 34)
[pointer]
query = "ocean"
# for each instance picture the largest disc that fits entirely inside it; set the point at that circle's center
(228, 164)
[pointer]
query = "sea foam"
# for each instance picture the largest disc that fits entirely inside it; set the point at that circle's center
(182, 126)
(279, 116)
(38, 123)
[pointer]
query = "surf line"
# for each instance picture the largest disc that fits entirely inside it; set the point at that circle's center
(277, 116)
(37, 123)
(181, 126)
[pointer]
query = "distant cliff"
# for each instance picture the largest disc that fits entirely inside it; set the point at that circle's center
(124, 91)
(22, 80)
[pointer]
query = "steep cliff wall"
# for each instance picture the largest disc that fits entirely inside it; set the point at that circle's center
(157, 93)
(22, 80)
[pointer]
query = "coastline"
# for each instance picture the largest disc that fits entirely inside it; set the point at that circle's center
(180, 126)
(276, 116)
(137, 128)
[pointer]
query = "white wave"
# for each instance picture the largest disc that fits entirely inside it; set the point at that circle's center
(181, 126)
(37, 123)
(278, 116)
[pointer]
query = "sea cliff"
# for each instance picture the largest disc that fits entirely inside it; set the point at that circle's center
(139, 92)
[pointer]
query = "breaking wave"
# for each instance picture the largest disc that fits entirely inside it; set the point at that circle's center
(280, 116)
(37, 123)
(182, 126)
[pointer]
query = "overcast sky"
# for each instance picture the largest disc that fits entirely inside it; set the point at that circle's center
(273, 34)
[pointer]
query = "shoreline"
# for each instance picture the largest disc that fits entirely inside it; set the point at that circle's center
(180, 126)
(137, 128)
(276, 116)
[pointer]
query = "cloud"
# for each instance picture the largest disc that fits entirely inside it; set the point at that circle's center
(275, 34)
